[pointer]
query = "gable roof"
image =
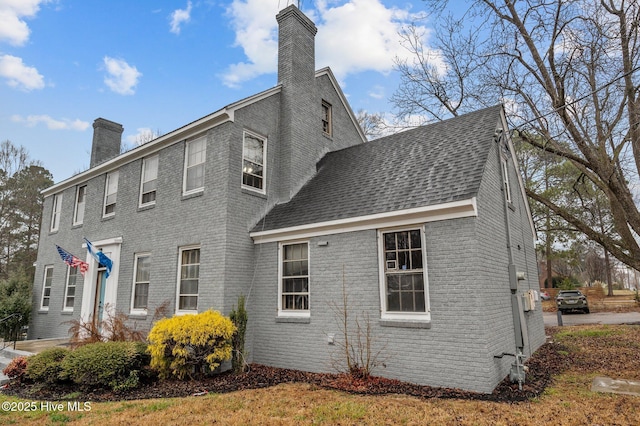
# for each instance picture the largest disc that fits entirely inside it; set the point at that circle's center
(437, 164)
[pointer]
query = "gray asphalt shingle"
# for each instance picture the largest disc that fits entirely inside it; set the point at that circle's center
(433, 164)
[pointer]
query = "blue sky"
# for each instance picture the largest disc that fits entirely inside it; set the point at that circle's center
(155, 66)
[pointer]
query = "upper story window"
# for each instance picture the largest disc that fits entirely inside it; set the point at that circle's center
(55, 212)
(403, 289)
(73, 276)
(110, 194)
(195, 156)
(189, 278)
(327, 125)
(149, 181)
(141, 280)
(254, 150)
(78, 213)
(46, 288)
(505, 179)
(294, 280)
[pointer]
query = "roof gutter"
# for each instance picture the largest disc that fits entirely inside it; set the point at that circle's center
(452, 210)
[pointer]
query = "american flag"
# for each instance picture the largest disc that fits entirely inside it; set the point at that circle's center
(72, 261)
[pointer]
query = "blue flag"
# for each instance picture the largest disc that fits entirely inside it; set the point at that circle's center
(100, 257)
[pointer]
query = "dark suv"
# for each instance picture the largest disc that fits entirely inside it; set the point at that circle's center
(569, 300)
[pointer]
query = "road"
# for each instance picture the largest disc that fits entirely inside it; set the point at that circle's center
(551, 318)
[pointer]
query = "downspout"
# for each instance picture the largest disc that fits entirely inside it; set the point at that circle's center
(517, 373)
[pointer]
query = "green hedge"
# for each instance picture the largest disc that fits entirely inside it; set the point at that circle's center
(117, 365)
(47, 365)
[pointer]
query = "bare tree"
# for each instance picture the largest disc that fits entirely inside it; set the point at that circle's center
(567, 73)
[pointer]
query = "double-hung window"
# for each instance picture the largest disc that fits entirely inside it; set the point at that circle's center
(326, 119)
(188, 278)
(194, 161)
(110, 194)
(294, 279)
(46, 288)
(404, 291)
(55, 212)
(141, 280)
(78, 213)
(149, 181)
(254, 150)
(73, 276)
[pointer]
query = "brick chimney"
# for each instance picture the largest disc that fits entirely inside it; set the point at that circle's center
(298, 110)
(107, 137)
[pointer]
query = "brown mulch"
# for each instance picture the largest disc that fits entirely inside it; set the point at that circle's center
(545, 363)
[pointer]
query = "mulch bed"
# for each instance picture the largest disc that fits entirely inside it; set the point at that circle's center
(545, 363)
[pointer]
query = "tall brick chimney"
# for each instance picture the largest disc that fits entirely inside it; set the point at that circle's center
(107, 138)
(298, 109)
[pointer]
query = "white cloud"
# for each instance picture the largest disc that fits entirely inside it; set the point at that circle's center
(353, 36)
(19, 75)
(51, 123)
(178, 17)
(144, 135)
(13, 28)
(377, 92)
(122, 78)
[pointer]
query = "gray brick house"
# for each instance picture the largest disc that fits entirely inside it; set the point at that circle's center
(278, 198)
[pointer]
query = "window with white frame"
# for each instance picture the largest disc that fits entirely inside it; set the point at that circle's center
(194, 161)
(188, 279)
(403, 274)
(78, 213)
(505, 179)
(46, 288)
(141, 280)
(55, 212)
(326, 118)
(294, 279)
(110, 194)
(73, 276)
(149, 181)
(254, 149)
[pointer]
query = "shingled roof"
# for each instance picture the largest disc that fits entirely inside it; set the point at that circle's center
(434, 164)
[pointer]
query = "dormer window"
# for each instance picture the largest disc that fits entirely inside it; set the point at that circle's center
(326, 119)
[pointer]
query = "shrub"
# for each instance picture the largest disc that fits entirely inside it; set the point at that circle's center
(114, 328)
(239, 318)
(184, 346)
(16, 369)
(116, 365)
(47, 365)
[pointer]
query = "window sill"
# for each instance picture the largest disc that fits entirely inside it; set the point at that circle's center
(190, 195)
(105, 218)
(66, 312)
(146, 207)
(255, 193)
(405, 323)
(138, 315)
(76, 226)
(43, 311)
(294, 320)
(511, 206)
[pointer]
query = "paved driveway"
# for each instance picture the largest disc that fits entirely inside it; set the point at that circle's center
(551, 318)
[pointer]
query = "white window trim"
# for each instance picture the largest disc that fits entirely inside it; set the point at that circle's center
(44, 284)
(56, 210)
(264, 163)
(403, 316)
(112, 175)
(66, 308)
(138, 311)
(142, 180)
(329, 118)
(186, 162)
(76, 209)
(288, 313)
(178, 310)
(505, 178)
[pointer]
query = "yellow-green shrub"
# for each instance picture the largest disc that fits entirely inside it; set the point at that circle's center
(185, 345)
